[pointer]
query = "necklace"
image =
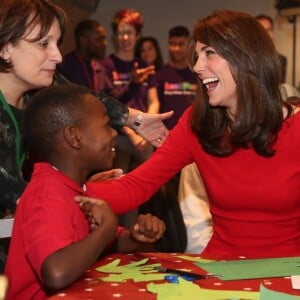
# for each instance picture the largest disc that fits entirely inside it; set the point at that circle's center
(19, 156)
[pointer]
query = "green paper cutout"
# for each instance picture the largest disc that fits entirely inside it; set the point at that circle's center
(187, 290)
(137, 271)
(266, 294)
(253, 268)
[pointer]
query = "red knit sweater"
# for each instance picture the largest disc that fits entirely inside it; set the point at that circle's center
(255, 201)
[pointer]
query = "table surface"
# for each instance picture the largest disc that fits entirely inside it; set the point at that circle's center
(91, 287)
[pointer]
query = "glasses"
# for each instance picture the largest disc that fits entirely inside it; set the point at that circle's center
(125, 32)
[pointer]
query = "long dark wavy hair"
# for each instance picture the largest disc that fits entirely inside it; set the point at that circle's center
(243, 42)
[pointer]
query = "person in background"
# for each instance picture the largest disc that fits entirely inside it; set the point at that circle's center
(268, 24)
(174, 86)
(241, 135)
(51, 246)
(147, 48)
(128, 74)
(129, 77)
(31, 32)
(82, 65)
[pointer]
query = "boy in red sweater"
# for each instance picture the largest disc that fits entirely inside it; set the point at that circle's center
(55, 239)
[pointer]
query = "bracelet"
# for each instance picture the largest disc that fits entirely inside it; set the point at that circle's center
(138, 121)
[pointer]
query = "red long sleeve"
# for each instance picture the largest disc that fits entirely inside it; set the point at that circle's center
(254, 200)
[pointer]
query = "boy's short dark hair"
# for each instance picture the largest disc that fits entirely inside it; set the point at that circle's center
(48, 112)
(179, 31)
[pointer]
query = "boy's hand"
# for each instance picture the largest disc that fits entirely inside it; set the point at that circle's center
(148, 229)
(97, 211)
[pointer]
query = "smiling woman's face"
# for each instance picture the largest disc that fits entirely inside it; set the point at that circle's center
(215, 73)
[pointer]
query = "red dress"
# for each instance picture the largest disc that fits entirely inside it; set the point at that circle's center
(254, 200)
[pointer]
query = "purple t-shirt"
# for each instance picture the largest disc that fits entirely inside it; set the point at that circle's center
(79, 70)
(119, 71)
(176, 90)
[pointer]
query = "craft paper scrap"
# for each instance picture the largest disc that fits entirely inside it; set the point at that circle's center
(137, 271)
(266, 294)
(187, 290)
(253, 268)
(195, 259)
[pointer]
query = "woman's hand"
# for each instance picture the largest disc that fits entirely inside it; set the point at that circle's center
(150, 127)
(153, 129)
(107, 175)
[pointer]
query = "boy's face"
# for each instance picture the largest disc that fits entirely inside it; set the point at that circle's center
(98, 145)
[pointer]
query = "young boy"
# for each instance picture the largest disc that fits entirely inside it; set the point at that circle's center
(54, 238)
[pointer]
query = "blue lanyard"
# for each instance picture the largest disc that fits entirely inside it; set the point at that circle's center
(19, 156)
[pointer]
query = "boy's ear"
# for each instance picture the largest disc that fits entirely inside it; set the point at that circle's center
(72, 136)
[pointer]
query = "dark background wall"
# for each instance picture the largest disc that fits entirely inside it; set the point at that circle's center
(160, 15)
